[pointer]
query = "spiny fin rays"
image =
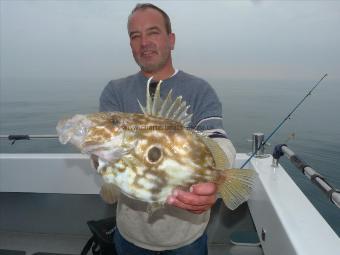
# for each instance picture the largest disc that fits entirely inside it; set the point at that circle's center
(166, 104)
(236, 185)
(142, 107)
(157, 101)
(169, 109)
(220, 158)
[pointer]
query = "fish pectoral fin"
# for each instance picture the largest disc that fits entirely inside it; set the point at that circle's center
(235, 186)
(153, 207)
(109, 193)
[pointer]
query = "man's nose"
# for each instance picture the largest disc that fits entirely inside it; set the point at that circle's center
(144, 40)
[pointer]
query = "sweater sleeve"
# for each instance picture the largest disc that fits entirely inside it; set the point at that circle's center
(209, 121)
(109, 99)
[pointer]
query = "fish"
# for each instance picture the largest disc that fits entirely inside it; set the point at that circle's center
(147, 155)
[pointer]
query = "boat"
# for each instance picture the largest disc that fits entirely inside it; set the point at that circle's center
(47, 198)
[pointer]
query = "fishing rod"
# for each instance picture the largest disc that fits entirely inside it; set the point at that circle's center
(283, 121)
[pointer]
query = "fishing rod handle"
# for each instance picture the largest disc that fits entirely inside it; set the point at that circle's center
(320, 181)
(14, 138)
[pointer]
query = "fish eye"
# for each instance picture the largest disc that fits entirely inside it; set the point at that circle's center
(115, 121)
(154, 154)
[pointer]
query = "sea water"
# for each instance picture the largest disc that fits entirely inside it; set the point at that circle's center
(33, 106)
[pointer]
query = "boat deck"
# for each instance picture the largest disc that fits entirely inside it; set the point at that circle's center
(33, 243)
(39, 223)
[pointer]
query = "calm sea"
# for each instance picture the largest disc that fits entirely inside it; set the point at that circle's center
(33, 106)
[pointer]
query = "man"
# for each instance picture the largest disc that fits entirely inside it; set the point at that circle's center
(179, 227)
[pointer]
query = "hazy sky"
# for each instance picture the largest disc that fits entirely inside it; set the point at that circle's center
(223, 39)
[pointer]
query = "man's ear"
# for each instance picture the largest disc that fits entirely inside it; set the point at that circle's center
(172, 39)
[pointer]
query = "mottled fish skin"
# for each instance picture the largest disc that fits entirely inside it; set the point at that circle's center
(162, 155)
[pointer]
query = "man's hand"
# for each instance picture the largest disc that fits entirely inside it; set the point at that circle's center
(201, 197)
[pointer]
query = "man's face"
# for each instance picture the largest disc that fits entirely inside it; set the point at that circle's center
(150, 43)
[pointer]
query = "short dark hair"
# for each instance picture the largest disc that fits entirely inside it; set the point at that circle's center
(151, 6)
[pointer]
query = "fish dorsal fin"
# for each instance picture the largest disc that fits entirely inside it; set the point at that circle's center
(168, 108)
(220, 158)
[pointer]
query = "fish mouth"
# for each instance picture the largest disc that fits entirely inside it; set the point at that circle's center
(78, 131)
(111, 150)
(106, 153)
(73, 130)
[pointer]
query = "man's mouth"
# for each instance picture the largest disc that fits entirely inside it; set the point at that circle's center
(148, 53)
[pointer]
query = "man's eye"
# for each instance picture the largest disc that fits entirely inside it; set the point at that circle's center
(133, 37)
(154, 33)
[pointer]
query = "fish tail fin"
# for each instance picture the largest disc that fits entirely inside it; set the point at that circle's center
(235, 186)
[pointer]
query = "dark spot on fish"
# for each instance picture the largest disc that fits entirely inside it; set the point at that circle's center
(154, 154)
(115, 121)
(121, 170)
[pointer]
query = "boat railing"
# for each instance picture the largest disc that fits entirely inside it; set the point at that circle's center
(316, 178)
